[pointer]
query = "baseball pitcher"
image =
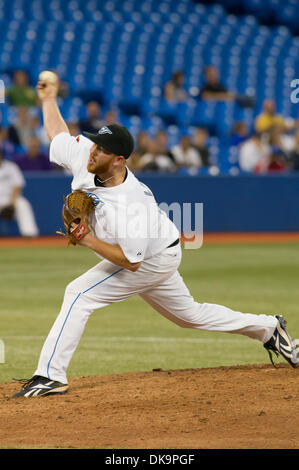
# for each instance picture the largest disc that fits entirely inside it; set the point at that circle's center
(113, 214)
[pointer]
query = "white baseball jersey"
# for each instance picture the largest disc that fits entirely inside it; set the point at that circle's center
(127, 214)
(10, 177)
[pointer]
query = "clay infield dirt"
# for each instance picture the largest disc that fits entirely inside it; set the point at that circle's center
(241, 407)
(245, 407)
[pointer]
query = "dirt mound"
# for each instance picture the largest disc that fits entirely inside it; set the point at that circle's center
(241, 407)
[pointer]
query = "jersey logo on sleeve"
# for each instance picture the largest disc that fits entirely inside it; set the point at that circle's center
(95, 198)
(77, 138)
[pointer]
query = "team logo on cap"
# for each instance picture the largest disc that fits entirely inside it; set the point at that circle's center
(105, 130)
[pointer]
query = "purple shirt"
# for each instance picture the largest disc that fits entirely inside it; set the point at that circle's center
(40, 163)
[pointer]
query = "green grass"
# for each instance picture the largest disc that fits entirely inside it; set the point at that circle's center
(130, 335)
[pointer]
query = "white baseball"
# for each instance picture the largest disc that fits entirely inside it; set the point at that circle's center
(48, 76)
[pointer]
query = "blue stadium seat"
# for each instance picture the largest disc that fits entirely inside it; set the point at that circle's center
(123, 52)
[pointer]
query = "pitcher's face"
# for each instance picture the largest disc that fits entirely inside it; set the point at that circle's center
(100, 160)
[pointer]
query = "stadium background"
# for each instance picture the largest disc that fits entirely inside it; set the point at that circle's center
(121, 54)
(172, 387)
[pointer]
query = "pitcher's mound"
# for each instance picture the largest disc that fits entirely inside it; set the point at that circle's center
(244, 407)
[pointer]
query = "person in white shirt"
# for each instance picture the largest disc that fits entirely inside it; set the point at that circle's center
(185, 154)
(140, 251)
(254, 154)
(13, 205)
(155, 160)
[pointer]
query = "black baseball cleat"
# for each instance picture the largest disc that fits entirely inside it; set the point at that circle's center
(282, 343)
(39, 386)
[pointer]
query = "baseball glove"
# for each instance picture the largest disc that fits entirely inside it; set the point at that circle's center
(76, 212)
(8, 212)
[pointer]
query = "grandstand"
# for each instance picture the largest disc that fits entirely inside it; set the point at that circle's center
(122, 53)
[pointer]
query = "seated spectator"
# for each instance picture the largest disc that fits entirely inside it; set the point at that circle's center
(93, 122)
(278, 141)
(13, 205)
(39, 130)
(268, 117)
(239, 133)
(22, 129)
(216, 91)
(34, 160)
(134, 163)
(279, 136)
(21, 93)
(293, 156)
(254, 154)
(277, 160)
(185, 154)
(213, 89)
(142, 144)
(161, 138)
(199, 142)
(7, 148)
(153, 160)
(174, 89)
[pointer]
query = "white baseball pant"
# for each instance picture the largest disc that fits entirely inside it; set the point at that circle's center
(25, 217)
(158, 282)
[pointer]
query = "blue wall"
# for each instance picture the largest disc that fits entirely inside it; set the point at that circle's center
(231, 203)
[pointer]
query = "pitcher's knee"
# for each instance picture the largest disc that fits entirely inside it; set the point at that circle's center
(73, 288)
